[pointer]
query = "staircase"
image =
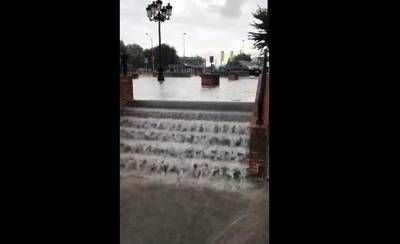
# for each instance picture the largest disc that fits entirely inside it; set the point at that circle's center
(185, 145)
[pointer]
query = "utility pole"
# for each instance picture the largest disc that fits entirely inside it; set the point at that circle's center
(184, 34)
(152, 51)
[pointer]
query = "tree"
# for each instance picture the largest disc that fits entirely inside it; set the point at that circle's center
(168, 54)
(198, 60)
(242, 57)
(147, 54)
(262, 37)
(122, 47)
(195, 60)
(135, 55)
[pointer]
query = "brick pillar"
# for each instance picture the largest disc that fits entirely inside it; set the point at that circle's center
(210, 80)
(135, 75)
(125, 90)
(258, 160)
(258, 151)
(233, 76)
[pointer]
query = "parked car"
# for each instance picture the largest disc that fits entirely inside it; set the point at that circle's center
(243, 66)
(221, 69)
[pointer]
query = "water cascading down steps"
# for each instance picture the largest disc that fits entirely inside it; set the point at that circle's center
(185, 146)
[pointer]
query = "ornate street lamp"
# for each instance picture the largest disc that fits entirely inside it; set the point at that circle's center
(156, 12)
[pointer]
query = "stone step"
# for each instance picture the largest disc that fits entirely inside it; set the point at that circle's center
(200, 126)
(138, 158)
(171, 140)
(185, 150)
(222, 139)
(145, 165)
(186, 114)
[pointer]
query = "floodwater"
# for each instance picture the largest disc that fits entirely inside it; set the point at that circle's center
(189, 89)
(156, 213)
(157, 207)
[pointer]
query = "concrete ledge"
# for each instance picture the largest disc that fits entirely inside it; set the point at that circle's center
(198, 105)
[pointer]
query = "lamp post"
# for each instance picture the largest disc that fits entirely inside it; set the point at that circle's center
(184, 34)
(156, 12)
(152, 51)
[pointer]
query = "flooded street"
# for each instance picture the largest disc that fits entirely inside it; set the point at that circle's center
(184, 172)
(189, 89)
(152, 213)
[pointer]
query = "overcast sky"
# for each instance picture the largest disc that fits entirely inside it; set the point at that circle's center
(211, 26)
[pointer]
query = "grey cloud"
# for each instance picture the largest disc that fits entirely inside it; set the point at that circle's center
(211, 25)
(230, 9)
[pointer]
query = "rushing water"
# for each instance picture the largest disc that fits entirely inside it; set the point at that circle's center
(185, 146)
(184, 172)
(189, 89)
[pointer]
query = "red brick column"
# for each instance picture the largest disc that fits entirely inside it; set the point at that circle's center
(135, 75)
(233, 76)
(259, 135)
(210, 80)
(125, 90)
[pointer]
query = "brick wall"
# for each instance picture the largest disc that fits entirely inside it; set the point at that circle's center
(125, 90)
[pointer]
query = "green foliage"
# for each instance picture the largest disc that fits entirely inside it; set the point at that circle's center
(147, 53)
(242, 57)
(262, 36)
(135, 55)
(198, 60)
(168, 54)
(122, 47)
